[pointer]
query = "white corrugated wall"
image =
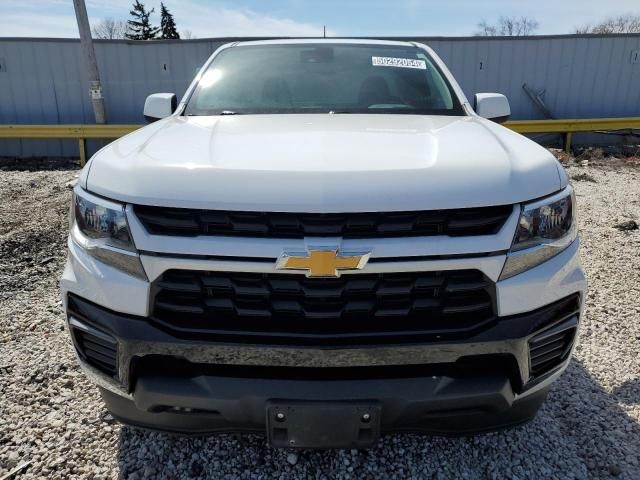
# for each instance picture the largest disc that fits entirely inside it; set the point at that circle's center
(42, 80)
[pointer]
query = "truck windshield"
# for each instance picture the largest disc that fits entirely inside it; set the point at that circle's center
(323, 78)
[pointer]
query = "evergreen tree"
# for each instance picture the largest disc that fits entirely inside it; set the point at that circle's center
(167, 23)
(140, 27)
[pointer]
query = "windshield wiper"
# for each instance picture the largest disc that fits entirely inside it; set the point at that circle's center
(228, 112)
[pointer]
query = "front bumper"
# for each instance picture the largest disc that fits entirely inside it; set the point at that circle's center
(480, 384)
(483, 382)
(435, 405)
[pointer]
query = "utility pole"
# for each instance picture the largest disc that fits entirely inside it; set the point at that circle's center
(95, 88)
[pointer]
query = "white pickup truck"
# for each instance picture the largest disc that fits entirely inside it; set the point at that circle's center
(323, 241)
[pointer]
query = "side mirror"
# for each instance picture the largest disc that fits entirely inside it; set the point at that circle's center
(492, 106)
(159, 105)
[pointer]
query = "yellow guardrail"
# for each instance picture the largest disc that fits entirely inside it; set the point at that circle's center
(65, 131)
(84, 132)
(569, 127)
(77, 132)
(577, 125)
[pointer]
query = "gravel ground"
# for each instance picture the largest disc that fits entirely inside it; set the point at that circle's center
(51, 416)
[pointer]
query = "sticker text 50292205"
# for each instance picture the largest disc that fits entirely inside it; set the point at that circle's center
(398, 62)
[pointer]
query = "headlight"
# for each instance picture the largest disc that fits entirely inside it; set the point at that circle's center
(99, 219)
(545, 229)
(100, 227)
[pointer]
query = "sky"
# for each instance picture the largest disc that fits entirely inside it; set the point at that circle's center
(217, 18)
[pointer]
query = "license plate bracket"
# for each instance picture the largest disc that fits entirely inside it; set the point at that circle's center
(322, 424)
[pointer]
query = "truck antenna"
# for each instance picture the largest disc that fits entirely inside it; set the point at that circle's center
(324, 31)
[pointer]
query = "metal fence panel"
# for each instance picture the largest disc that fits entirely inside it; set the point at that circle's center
(42, 80)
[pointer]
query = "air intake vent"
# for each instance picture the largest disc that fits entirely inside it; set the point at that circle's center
(97, 348)
(454, 222)
(549, 348)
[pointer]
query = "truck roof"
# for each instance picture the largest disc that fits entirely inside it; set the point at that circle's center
(357, 41)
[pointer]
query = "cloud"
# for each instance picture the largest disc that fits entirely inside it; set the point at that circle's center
(28, 18)
(39, 25)
(226, 22)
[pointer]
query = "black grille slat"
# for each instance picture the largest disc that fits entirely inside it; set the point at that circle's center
(100, 351)
(469, 286)
(172, 221)
(475, 221)
(99, 341)
(89, 345)
(549, 348)
(191, 222)
(179, 308)
(468, 307)
(383, 306)
(181, 287)
(104, 359)
(542, 358)
(540, 344)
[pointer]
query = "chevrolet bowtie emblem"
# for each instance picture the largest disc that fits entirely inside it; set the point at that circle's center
(322, 262)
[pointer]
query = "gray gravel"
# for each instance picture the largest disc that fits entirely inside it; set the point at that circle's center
(50, 415)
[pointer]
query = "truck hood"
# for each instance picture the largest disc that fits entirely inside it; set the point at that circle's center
(323, 163)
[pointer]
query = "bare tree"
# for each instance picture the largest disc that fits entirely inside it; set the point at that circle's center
(187, 35)
(621, 24)
(508, 27)
(110, 29)
(486, 30)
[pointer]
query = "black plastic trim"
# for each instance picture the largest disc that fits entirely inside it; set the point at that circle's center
(436, 321)
(186, 222)
(440, 405)
(139, 337)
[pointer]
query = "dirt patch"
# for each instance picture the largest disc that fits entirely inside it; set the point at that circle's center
(627, 226)
(583, 177)
(29, 259)
(37, 164)
(611, 158)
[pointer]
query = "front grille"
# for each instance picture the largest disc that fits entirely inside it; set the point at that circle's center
(551, 347)
(360, 308)
(456, 222)
(98, 349)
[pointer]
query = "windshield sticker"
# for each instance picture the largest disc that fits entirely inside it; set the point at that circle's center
(398, 62)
